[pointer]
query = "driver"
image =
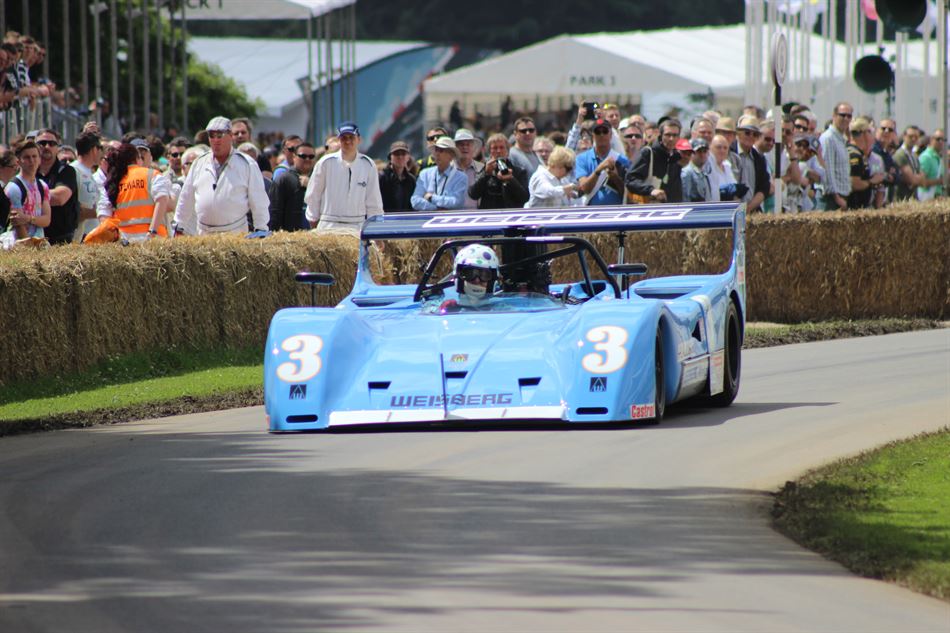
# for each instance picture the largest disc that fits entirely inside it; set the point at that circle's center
(476, 275)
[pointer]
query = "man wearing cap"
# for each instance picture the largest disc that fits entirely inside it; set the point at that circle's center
(696, 184)
(441, 186)
(286, 194)
(601, 169)
(396, 182)
(344, 187)
(467, 146)
(753, 171)
(834, 147)
(862, 182)
(222, 186)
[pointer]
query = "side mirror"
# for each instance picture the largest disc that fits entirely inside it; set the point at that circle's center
(314, 279)
(626, 271)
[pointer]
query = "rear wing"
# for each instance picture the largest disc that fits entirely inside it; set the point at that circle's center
(612, 219)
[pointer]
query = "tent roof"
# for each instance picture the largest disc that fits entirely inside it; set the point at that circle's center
(270, 69)
(263, 9)
(678, 60)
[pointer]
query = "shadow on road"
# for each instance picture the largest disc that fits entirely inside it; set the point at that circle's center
(258, 536)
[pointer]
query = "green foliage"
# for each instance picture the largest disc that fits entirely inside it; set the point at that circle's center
(508, 24)
(219, 95)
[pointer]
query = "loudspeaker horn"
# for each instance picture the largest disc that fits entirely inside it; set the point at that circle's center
(902, 15)
(872, 73)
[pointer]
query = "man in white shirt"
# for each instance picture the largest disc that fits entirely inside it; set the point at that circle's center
(89, 148)
(222, 186)
(467, 146)
(344, 187)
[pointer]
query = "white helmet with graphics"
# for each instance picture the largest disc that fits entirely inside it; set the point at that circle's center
(476, 272)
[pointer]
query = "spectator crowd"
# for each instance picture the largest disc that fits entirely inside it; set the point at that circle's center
(103, 185)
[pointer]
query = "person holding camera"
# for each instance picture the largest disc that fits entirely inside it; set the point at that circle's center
(501, 184)
(600, 170)
(588, 112)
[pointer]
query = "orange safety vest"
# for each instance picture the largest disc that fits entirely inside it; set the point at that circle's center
(134, 205)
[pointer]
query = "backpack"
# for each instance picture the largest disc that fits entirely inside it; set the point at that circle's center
(23, 193)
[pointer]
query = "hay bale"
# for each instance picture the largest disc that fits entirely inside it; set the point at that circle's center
(75, 306)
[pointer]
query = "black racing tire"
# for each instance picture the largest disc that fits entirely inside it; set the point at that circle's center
(732, 360)
(659, 374)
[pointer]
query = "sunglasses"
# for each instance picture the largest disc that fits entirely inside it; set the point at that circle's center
(750, 133)
(601, 131)
(476, 274)
(434, 137)
(888, 129)
(174, 154)
(844, 115)
(527, 130)
(306, 156)
(801, 127)
(633, 135)
(47, 143)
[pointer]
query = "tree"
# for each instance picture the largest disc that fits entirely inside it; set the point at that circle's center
(209, 92)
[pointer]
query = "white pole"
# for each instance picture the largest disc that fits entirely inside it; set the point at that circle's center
(308, 98)
(942, 16)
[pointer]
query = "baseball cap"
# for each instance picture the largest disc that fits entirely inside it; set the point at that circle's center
(398, 146)
(348, 127)
(683, 145)
(698, 144)
(139, 143)
(218, 124)
(600, 123)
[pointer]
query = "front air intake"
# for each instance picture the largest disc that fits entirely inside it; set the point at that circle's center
(301, 419)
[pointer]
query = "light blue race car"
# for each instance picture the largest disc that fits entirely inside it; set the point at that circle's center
(487, 334)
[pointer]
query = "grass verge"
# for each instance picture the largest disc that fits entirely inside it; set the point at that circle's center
(884, 514)
(180, 381)
(136, 386)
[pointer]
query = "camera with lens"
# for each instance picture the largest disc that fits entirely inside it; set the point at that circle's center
(592, 108)
(503, 168)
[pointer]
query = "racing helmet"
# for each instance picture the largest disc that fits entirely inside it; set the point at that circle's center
(476, 263)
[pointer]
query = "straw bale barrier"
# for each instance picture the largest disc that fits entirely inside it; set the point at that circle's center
(68, 307)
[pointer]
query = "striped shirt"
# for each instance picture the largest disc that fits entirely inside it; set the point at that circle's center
(834, 148)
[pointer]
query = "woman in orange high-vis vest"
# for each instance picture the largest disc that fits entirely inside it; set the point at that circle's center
(136, 196)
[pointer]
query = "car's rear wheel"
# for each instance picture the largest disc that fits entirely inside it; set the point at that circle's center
(659, 396)
(732, 360)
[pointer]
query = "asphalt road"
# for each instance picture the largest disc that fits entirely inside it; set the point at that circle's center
(207, 523)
